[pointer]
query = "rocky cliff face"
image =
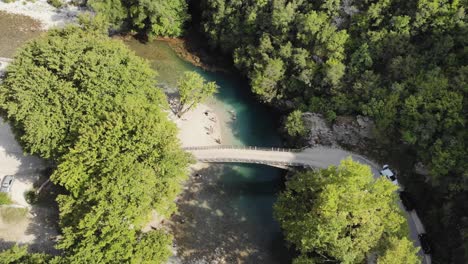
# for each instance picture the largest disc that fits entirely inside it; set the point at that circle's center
(355, 133)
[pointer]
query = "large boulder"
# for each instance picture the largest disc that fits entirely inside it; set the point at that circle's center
(320, 133)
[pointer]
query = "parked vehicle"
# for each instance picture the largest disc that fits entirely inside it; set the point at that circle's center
(425, 244)
(388, 173)
(406, 200)
(6, 183)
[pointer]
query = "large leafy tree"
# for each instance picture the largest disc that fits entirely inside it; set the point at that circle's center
(152, 17)
(193, 89)
(340, 213)
(89, 104)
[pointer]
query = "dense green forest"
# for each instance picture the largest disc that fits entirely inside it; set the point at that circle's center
(403, 63)
(342, 213)
(90, 105)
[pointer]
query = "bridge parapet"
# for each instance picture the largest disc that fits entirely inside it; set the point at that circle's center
(244, 148)
(279, 164)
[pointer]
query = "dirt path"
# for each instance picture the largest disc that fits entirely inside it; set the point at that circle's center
(23, 223)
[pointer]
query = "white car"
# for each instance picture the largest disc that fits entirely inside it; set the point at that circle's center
(389, 174)
(6, 183)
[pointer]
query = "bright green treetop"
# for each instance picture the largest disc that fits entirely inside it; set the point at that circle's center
(399, 251)
(295, 125)
(152, 17)
(89, 104)
(338, 213)
(193, 89)
(19, 255)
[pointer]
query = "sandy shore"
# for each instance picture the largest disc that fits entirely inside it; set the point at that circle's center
(48, 15)
(199, 127)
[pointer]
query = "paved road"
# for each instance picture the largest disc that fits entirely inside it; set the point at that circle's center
(311, 157)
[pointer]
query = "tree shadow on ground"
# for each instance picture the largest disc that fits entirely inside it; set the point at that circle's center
(12, 153)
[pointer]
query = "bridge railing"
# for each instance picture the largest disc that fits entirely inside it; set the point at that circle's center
(255, 161)
(244, 148)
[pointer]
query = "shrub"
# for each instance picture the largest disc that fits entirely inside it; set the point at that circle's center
(4, 199)
(31, 197)
(55, 3)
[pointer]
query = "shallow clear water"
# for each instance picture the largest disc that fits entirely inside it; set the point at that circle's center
(237, 200)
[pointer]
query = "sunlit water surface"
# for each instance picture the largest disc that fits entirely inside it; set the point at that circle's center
(229, 216)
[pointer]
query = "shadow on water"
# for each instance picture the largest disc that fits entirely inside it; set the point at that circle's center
(230, 222)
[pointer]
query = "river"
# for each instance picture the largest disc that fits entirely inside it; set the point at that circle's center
(228, 216)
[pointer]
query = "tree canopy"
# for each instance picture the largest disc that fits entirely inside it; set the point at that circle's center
(403, 63)
(340, 213)
(399, 251)
(19, 255)
(193, 89)
(381, 59)
(295, 125)
(152, 17)
(86, 102)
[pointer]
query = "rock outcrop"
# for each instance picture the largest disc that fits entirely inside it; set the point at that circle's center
(356, 133)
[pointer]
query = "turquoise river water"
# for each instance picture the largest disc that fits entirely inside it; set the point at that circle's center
(229, 216)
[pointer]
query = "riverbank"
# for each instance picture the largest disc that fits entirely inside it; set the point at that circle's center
(198, 127)
(189, 49)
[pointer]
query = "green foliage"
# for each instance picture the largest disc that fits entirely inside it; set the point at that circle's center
(91, 105)
(193, 89)
(152, 17)
(55, 3)
(95, 23)
(400, 62)
(19, 255)
(158, 17)
(152, 246)
(31, 197)
(264, 80)
(295, 125)
(399, 251)
(345, 211)
(4, 198)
